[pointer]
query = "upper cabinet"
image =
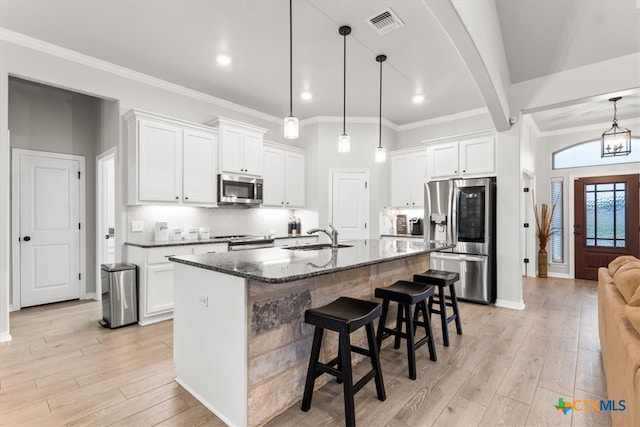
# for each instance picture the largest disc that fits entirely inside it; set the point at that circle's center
(284, 176)
(170, 161)
(467, 158)
(407, 171)
(240, 146)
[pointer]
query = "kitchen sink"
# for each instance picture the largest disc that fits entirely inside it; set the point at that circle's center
(315, 247)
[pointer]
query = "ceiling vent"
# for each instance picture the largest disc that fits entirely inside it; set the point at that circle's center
(385, 21)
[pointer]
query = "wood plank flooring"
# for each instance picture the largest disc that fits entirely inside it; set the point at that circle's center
(509, 368)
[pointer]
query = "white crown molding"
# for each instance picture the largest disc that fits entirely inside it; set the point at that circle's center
(284, 147)
(55, 50)
(444, 119)
(586, 128)
(338, 119)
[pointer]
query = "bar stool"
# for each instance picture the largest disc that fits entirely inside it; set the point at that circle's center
(344, 315)
(407, 294)
(443, 279)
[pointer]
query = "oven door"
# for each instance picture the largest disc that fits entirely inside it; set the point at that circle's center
(239, 190)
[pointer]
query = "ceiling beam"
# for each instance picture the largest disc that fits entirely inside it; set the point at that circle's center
(474, 29)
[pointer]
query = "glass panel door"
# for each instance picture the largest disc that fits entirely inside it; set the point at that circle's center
(471, 214)
(605, 206)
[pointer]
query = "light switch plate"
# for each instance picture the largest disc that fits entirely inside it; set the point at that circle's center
(137, 226)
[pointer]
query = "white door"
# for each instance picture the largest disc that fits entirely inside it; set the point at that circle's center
(49, 229)
(350, 204)
(159, 162)
(252, 153)
(418, 171)
(400, 180)
(295, 183)
(273, 175)
(107, 210)
(443, 161)
(231, 150)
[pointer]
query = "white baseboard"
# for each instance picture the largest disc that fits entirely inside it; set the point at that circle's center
(510, 304)
(91, 295)
(5, 337)
(12, 308)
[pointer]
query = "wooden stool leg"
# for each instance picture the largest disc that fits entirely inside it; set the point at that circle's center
(345, 355)
(454, 304)
(311, 372)
(443, 316)
(399, 321)
(382, 322)
(339, 367)
(375, 362)
(411, 349)
(422, 306)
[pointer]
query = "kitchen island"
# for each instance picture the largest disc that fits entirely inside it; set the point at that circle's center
(241, 346)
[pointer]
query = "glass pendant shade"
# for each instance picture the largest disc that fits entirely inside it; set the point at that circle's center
(616, 141)
(290, 127)
(381, 155)
(344, 143)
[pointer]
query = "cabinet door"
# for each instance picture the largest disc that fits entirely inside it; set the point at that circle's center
(199, 168)
(295, 183)
(477, 157)
(159, 162)
(159, 288)
(418, 170)
(442, 161)
(273, 175)
(231, 150)
(252, 153)
(285, 242)
(399, 172)
(211, 249)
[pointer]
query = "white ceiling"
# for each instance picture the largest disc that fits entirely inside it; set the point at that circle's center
(178, 41)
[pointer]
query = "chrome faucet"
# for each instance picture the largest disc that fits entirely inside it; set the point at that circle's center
(333, 235)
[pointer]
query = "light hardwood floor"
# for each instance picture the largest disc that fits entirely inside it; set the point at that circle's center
(509, 368)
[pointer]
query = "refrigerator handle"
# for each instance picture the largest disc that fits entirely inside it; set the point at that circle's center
(453, 214)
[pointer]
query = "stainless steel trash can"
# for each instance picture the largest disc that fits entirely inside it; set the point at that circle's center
(119, 295)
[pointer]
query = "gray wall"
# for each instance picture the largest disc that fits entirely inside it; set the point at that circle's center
(321, 142)
(456, 126)
(45, 118)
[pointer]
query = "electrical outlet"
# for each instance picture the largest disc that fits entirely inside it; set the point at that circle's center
(137, 226)
(204, 301)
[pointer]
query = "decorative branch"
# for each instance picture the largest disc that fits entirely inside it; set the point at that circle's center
(543, 221)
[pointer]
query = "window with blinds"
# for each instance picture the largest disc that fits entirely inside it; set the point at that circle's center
(557, 234)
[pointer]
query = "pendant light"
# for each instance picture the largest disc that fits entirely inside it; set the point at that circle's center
(617, 140)
(381, 155)
(344, 142)
(290, 123)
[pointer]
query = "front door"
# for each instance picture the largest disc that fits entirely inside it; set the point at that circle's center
(49, 211)
(606, 222)
(350, 204)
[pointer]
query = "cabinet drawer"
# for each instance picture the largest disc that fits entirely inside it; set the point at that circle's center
(158, 255)
(211, 249)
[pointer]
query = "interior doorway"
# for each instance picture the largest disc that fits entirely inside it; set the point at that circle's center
(606, 221)
(105, 212)
(48, 213)
(349, 203)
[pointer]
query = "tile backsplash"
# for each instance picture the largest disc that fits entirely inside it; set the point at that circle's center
(221, 221)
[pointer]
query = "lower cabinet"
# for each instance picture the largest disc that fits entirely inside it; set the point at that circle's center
(155, 277)
(295, 241)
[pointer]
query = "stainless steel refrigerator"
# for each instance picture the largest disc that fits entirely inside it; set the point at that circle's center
(463, 212)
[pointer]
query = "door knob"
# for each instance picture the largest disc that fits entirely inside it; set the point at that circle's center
(26, 238)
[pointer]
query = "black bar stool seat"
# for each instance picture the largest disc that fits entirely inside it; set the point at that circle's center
(407, 294)
(443, 279)
(344, 315)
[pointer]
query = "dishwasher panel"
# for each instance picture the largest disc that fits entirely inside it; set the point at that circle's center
(474, 284)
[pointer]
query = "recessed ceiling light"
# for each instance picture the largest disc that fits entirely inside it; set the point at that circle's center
(223, 59)
(417, 99)
(306, 95)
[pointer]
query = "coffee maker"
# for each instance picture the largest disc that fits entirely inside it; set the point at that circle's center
(416, 226)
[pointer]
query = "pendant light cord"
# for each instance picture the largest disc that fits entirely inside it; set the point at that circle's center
(344, 88)
(290, 59)
(380, 115)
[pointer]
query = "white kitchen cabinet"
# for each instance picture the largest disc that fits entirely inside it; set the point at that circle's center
(467, 158)
(284, 176)
(295, 241)
(170, 161)
(155, 277)
(240, 146)
(407, 170)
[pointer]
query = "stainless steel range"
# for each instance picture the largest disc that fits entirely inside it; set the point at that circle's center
(243, 242)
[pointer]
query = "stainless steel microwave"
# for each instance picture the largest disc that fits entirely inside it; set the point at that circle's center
(239, 190)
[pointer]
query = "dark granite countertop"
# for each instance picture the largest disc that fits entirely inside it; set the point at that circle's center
(412, 236)
(279, 265)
